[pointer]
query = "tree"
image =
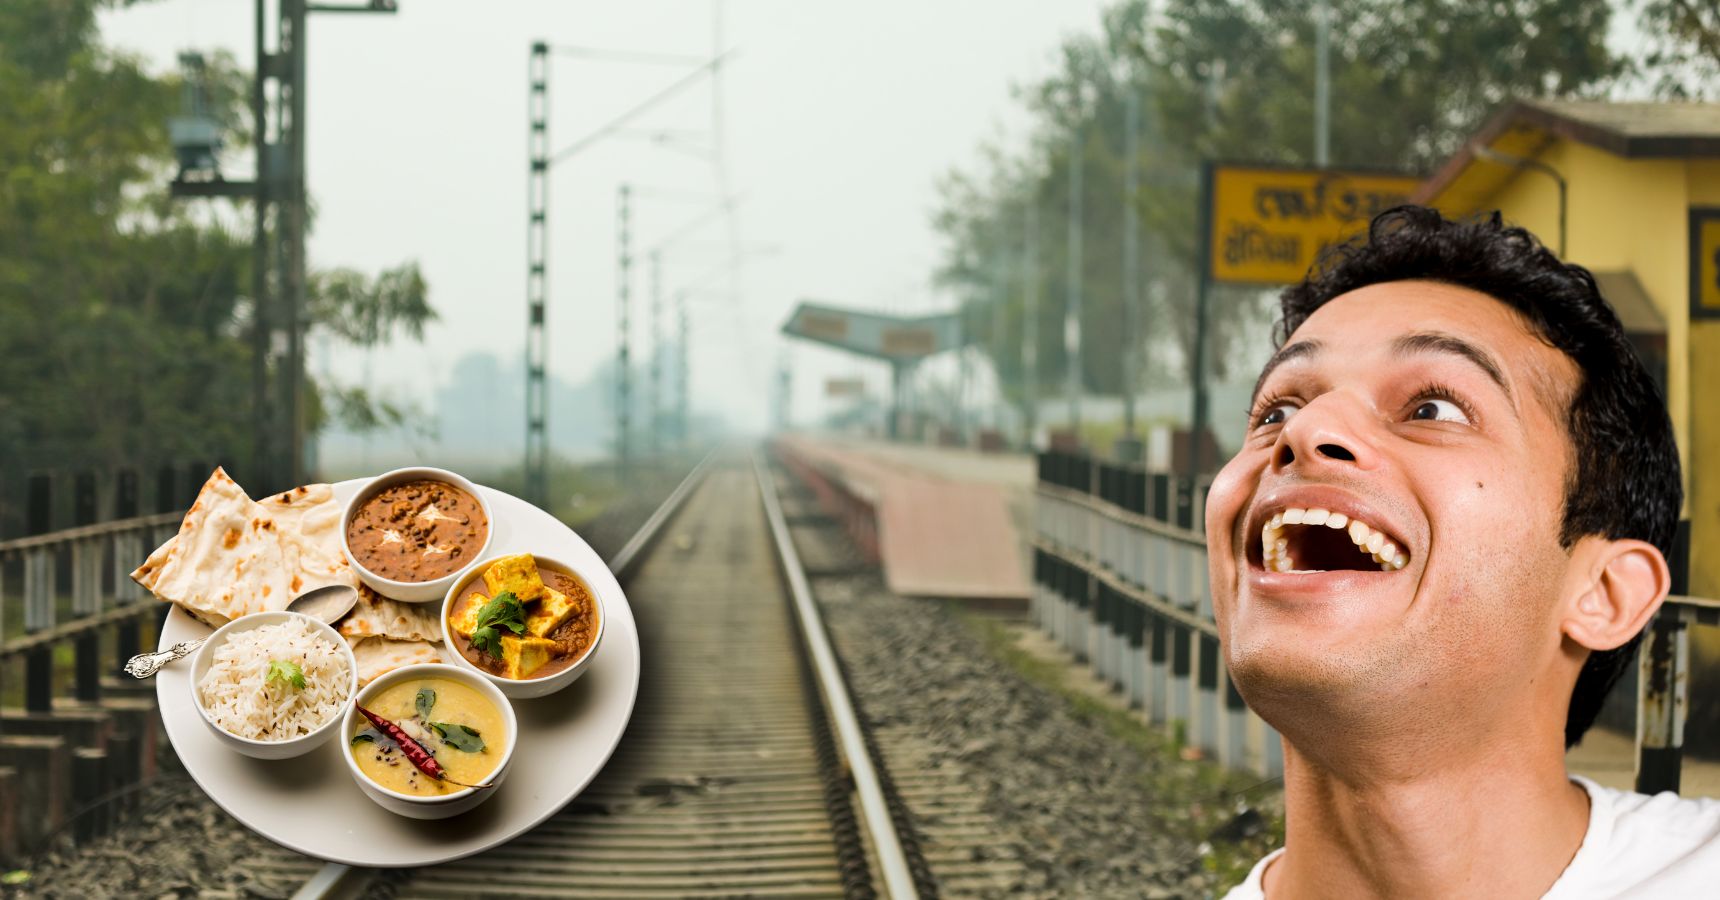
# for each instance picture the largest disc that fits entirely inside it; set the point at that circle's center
(1683, 44)
(1233, 80)
(124, 319)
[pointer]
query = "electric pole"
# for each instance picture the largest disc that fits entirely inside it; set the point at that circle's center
(1030, 321)
(1072, 314)
(537, 280)
(682, 349)
(624, 357)
(1129, 447)
(1322, 84)
(656, 409)
(537, 235)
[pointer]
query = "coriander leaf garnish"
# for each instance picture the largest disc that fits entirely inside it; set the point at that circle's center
(459, 736)
(504, 611)
(425, 702)
(287, 672)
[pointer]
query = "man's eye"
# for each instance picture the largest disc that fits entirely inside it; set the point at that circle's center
(1439, 411)
(1277, 414)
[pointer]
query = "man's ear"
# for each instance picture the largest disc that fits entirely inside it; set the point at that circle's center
(1615, 587)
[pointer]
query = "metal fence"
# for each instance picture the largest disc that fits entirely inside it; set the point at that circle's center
(83, 734)
(1120, 581)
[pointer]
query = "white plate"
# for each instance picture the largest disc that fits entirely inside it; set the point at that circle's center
(310, 804)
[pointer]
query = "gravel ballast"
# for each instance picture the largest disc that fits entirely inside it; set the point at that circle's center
(1094, 803)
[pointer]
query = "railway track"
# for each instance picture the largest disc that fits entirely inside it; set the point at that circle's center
(744, 772)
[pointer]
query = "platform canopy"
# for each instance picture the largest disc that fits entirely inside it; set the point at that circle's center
(895, 339)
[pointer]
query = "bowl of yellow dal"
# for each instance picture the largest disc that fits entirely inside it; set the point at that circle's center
(459, 717)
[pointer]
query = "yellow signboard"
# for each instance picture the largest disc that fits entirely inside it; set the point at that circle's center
(1268, 225)
(1705, 263)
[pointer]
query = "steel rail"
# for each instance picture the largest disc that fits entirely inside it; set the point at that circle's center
(338, 880)
(874, 807)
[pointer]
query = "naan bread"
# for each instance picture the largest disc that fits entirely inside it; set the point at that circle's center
(379, 656)
(308, 524)
(225, 562)
(234, 556)
(378, 616)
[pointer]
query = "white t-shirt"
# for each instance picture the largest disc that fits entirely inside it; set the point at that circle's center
(1636, 846)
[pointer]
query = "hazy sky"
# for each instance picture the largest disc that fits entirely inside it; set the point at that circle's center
(838, 118)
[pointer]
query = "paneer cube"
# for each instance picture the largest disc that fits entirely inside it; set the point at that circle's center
(517, 575)
(465, 621)
(521, 656)
(550, 611)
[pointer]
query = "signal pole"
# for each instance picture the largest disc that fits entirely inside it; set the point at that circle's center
(280, 202)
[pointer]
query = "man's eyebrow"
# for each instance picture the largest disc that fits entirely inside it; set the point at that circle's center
(1439, 342)
(1285, 354)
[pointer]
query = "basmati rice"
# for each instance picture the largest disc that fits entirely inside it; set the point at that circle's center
(239, 696)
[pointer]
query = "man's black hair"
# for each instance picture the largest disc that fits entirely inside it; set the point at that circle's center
(1625, 480)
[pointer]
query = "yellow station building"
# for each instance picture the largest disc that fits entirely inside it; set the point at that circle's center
(1632, 192)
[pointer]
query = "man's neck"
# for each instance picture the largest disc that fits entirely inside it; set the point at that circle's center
(1496, 824)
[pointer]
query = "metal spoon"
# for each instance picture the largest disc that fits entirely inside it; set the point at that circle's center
(325, 604)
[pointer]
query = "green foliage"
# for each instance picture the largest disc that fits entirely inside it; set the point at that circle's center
(125, 319)
(1683, 47)
(1230, 80)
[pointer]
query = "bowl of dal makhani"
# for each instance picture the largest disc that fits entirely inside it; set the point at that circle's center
(429, 741)
(273, 685)
(409, 533)
(527, 623)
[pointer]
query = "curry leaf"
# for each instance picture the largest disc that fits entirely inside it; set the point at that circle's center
(426, 701)
(364, 737)
(459, 737)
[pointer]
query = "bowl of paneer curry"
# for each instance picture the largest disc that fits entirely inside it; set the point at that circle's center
(529, 623)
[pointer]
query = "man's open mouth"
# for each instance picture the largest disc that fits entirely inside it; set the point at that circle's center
(1302, 541)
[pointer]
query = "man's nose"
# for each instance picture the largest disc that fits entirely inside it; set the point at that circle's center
(1330, 431)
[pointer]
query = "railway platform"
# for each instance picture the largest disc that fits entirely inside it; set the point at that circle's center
(940, 522)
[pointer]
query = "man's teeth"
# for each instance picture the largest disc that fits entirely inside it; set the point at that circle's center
(1275, 547)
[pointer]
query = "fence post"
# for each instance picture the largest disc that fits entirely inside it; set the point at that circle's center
(1234, 749)
(1663, 683)
(86, 589)
(39, 596)
(1181, 665)
(1158, 668)
(128, 551)
(196, 473)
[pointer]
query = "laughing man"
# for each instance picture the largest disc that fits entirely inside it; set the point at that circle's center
(1434, 554)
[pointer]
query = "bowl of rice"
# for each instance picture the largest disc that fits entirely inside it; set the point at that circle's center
(273, 685)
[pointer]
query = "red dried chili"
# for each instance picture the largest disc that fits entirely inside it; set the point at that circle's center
(416, 753)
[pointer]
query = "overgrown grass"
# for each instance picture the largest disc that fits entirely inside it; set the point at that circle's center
(1197, 796)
